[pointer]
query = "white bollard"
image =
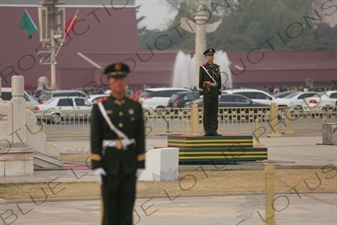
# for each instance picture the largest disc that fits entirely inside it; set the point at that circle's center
(161, 165)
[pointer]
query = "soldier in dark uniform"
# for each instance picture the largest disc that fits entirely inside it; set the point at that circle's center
(118, 149)
(210, 91)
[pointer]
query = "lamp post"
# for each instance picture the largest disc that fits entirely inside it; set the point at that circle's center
(51, 21)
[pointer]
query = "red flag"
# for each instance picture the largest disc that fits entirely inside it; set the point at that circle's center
(70, 24)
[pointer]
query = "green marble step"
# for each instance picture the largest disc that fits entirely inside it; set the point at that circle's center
(209, 141)
(227, 154)
(216, 149)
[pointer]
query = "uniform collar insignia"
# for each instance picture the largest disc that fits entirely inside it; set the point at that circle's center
(210, 64)
(119, 101)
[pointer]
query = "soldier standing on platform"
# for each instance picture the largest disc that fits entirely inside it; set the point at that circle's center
(210, 91)
(117, 147)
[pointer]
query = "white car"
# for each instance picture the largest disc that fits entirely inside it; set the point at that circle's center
(155, 98)
(322, 101)
(63, 108)
(259, 96)
(46, 95)
(92, 98)
(297, 98)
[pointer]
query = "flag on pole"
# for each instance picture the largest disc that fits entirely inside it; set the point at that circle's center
(70, 24)
(27, 24)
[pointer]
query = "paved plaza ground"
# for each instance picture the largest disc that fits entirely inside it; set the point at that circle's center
(221, 210)
(297, 150)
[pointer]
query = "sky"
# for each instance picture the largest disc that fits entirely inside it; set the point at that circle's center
(156, 13)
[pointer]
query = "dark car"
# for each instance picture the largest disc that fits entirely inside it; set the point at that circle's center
(179, 99)
(237, 105)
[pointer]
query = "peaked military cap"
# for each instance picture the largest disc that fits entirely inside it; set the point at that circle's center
(117, 69)
(209, 51)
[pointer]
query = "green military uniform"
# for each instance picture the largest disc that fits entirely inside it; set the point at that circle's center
(210, 89)
(119, 161)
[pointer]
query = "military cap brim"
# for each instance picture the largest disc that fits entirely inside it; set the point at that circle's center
(209, 51)
(117, 69)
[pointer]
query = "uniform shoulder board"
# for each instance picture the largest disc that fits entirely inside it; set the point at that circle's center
(203, 64)
(103, 99)
(134, 99)
(217, 65)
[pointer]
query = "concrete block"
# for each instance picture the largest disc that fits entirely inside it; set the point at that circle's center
(329, 134)
(14, 155)
(19, 168)
(161, 165)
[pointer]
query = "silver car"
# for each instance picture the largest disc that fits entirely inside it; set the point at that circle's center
(63, 108)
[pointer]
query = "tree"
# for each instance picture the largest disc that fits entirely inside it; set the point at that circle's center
(277, 25)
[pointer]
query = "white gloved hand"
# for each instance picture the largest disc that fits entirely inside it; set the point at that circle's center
(139, 172)
(219, 97)
(99, 172)
(201, 96)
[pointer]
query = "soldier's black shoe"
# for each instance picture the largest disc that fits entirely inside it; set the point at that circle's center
(207, 134)
(216, 134)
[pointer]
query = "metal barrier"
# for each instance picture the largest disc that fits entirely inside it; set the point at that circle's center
(232, 120)
(65, 123)
(301, 120)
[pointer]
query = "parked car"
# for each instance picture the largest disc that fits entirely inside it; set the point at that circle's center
(62, 108)
(283, 94)
(236, 104)
(230, 100)
(92, 98)
(179, 99)
(156, 98)
(46, 95)
(6, 95)
(323, 100)
(258, 96)
(297, 98)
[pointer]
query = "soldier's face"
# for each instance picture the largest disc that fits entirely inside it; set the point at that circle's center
(117, 83)
(209, 58)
